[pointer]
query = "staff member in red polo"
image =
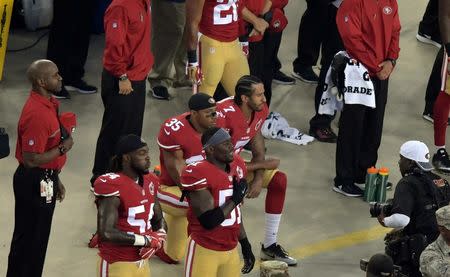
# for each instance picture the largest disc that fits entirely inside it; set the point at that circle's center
(126, 62)
(370, 32)
(42, 144)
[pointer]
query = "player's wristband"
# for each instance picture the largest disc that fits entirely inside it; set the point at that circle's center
(447, 48)
(192, 56)
(139, 240)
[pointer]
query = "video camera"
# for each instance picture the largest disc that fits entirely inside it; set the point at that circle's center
(377, 208)
(4, 143)
(397, 269)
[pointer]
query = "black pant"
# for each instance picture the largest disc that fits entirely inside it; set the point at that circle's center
(434, 83)
(311, 33)
(359, 137)
(123, 115)
(430, 22)
(33, 221)
(331, 45)
(68, 40)
(262, 55)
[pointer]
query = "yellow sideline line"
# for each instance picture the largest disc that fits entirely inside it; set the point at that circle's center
(347, 240)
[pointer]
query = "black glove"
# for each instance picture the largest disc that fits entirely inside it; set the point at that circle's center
(239, 190)
(249, 258)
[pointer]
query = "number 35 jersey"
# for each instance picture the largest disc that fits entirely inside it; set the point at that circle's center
(177, 133)
(205, 175)
(220, 19)
(135, 211)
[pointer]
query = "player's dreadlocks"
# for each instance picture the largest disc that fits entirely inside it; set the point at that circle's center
(115, 164)
(244, 87)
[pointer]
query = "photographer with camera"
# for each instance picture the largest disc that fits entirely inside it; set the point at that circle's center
(434, 261)
(417, 196)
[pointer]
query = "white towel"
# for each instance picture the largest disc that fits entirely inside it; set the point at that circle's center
(358, 89)
(277, 127)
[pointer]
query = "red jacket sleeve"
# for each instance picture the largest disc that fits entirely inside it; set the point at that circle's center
(394, 47)
(116, 26)
(348, 20)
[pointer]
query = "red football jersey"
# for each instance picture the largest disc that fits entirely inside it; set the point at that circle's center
(201, 175)
(177, 133)
(231, 118)
(135, 211)
(220, 19)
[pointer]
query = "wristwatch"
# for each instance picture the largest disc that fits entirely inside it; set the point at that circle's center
(393, 61)
(123, 77)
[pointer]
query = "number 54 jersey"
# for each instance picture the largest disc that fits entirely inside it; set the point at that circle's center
(135, 211)
(205, 175)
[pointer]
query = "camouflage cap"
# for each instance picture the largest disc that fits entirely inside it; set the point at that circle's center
(443, 217)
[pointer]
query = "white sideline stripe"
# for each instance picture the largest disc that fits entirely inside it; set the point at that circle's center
(172, 200)
(116, 193)
(189, 258)
(202, 181)
(165, 146)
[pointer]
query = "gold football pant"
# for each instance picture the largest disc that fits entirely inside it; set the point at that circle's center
(202, 262)
(175, 216)
(222, 62)
(123, 269)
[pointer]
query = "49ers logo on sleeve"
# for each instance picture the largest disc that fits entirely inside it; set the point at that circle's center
(151, 188)
(387, 10)
(240, 172)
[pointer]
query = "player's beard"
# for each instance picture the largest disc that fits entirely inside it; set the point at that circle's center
(140, 171)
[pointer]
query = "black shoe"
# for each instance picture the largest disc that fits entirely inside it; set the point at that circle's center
(276, 252)
(63, 94)
(324, 134)
(429, 39)
(441, 161)
(81, 86)
(281, 78)
(306, 75)
(348, 190)
(161, 93)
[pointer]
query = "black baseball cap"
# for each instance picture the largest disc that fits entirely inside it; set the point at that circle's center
(129, 143)
(201, 101)
(380, 265)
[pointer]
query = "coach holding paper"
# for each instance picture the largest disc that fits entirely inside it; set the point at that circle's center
(370, 32)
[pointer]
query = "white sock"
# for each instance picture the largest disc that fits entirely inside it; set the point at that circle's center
(440, 147)
(272, 224)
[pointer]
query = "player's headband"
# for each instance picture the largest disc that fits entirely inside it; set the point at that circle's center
(220, 136)
(201, 101)
(129, 143)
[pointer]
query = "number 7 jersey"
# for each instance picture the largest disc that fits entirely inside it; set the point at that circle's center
(220, 19)
(205, 175)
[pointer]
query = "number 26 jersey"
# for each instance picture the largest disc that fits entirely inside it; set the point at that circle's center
(220, 19)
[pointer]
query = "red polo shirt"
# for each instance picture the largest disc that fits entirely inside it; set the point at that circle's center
(38, 129)
(370, 31)
(127, 39)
